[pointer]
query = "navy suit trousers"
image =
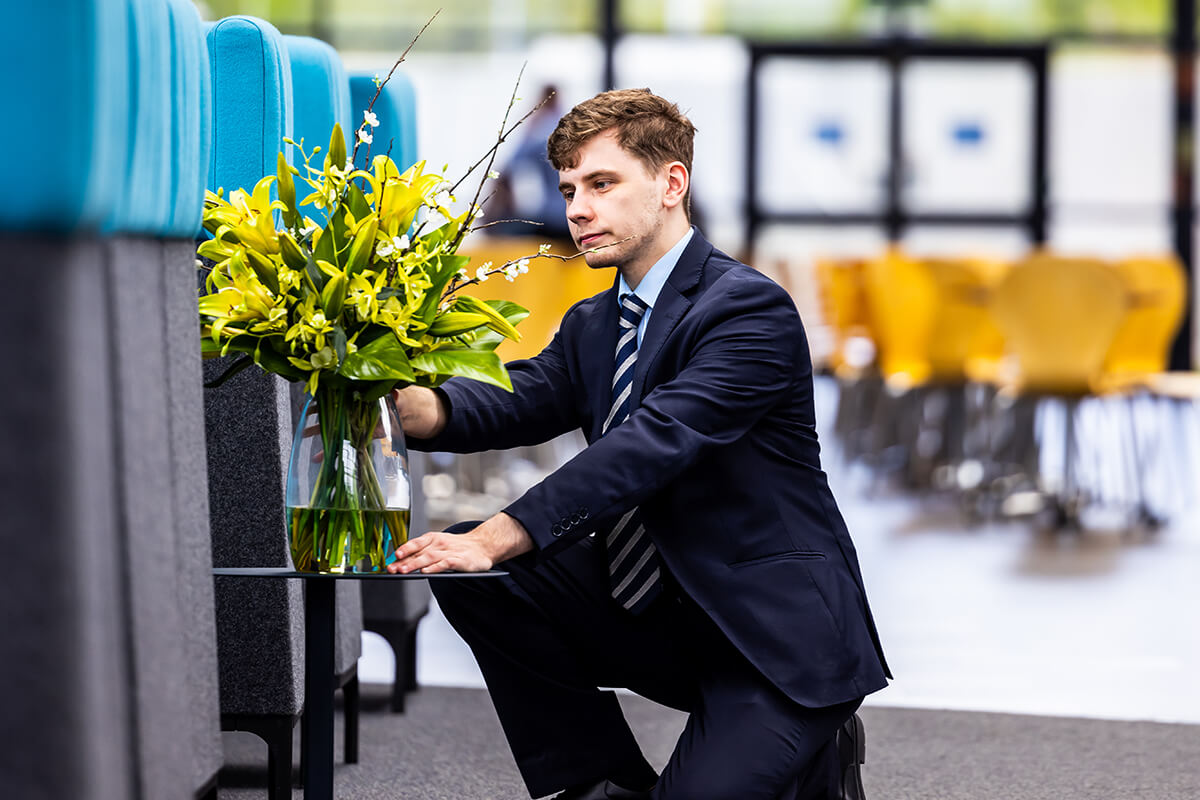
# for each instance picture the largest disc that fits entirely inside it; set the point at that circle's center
(548, 636)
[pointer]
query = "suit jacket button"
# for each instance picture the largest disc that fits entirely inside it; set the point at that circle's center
(556, 529)
(575, 518)
(583, 513)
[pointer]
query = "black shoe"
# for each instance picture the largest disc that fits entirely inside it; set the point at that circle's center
(852, 753)
(601, 790)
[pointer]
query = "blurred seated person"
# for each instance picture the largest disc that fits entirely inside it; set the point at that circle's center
(527, 189)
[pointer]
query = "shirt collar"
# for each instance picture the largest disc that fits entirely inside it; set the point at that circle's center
(653, 281)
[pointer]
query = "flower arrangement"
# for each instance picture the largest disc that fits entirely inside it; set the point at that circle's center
(367, 301)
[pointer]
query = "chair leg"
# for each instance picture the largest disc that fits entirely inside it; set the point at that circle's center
(350, 698)
(276, 732)
(401, 646)
(410, 656)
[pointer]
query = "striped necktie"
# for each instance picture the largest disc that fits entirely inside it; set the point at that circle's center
(633, 562)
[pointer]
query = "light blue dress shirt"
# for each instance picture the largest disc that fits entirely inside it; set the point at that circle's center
(652, 282)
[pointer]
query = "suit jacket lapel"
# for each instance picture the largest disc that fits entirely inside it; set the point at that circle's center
(670, 307)
(597, 351)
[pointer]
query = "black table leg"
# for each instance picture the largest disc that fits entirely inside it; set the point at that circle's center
(318, 688)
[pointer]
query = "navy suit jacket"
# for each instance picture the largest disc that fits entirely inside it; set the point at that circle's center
(720, 452)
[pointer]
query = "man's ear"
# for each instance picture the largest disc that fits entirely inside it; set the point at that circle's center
(678, 181)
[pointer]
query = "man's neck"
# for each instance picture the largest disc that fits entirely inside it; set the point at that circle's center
(668, 237)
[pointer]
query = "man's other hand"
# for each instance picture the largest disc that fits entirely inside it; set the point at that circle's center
(498, 539)
(422, 413)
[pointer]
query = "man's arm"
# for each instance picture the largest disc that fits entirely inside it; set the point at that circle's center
(749, 351)
(475, 416)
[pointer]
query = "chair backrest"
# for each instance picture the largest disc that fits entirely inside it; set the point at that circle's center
(901, 298)
(191, 119)
(252, 108)
(1158, 293)
(963, 332)
(146, 203)
(396, 108)
(65, 120)
(320, 97)
(1058, 315)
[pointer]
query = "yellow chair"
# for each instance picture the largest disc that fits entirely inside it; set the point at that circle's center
(965, 343)
(901, 299)
(1058, 315)
(1157, 289)
(843, 309)
(547, 290)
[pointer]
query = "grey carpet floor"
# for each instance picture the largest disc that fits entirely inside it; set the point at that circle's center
(449, 746)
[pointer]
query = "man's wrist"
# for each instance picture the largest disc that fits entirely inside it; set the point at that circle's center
(504, 537)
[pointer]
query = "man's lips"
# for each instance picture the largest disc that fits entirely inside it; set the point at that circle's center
(589, 240)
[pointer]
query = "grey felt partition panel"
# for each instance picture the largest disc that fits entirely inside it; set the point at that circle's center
(136, 291)
(260, 624)
(189, 492)
(66, 729)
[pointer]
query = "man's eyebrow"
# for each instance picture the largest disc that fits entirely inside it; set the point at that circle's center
(590, 176)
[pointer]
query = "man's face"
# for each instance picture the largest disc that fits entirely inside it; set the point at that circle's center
(611, 197)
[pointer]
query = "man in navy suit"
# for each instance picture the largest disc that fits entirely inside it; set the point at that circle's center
(693, 552)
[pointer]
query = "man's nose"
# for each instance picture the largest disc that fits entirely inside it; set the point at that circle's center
(578, 210)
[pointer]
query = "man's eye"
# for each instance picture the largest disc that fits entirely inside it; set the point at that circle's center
(568, 196)
(603, 184)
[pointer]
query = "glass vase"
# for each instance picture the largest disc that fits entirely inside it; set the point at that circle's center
(348, 493)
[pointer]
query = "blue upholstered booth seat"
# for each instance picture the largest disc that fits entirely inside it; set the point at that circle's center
(396, 109)
(320, 97)
(64, 71)
(252, 101)
(144, 200)
(191, 119)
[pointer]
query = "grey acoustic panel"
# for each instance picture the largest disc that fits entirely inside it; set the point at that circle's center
(146, 516)
(260, 623)
(65, 730)
(189, 491)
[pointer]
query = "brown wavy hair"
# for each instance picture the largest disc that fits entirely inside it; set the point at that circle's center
(647, 126)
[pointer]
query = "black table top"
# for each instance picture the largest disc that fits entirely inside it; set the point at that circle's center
(288, 572)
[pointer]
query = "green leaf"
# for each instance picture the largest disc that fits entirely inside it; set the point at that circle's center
(454, 323)
(495, 320)
(339, 343)
(314, 273)
(382, 359)
(377, 390)
(479, 365)
(271, 361)
(356, 201)
(237, 366)
(443, 268)
(362, 247)
(488, 339)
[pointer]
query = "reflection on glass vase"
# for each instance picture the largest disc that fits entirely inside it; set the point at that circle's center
(348, 494)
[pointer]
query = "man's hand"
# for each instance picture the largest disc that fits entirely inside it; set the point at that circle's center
(498, 539)
(422, 414)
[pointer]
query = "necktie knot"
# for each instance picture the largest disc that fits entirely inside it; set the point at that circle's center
(633, 308)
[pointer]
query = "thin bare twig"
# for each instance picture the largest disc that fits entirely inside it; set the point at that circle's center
(379, 88)
(499, 221)
(456, 286)
(492, 151)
